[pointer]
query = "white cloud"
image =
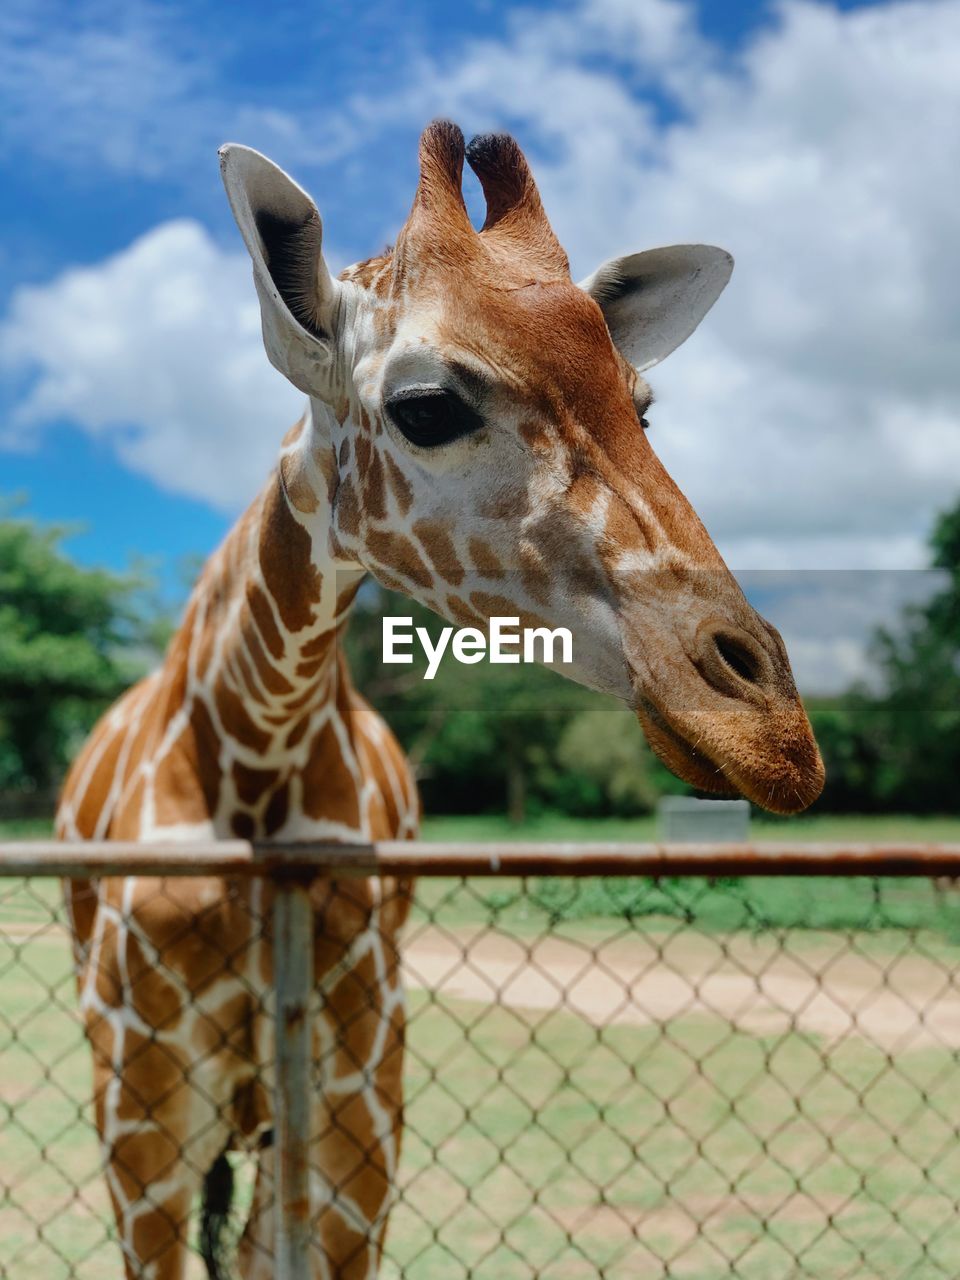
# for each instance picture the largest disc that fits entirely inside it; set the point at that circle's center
(158, 351)
(138, 90)
(816, 418)
(814, 421)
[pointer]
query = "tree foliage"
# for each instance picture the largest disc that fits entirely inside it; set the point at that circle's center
(899, 747)
(68, 646)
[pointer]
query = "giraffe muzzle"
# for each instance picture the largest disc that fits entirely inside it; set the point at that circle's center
(729, 720)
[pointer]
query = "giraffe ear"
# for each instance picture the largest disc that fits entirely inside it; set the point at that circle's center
(653, 301)
(283, 233)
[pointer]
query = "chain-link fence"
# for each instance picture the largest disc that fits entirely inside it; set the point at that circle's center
(720, 1069)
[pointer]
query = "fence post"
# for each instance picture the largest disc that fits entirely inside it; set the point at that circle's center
(293, 980)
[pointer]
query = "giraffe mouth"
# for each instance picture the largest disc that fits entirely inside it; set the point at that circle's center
(789, 781)
(681, 757)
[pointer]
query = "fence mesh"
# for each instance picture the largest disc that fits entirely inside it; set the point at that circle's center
(616, 1078)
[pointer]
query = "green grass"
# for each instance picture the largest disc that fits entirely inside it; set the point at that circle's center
(572, 1152)
(25, 828)
(46, 1141)
(539, 1144)
(554, 826)
(753, 903)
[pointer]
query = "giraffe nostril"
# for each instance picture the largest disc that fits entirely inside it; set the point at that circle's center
(731, 662)
(738, 657)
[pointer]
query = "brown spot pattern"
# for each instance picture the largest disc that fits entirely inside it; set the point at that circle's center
(263, 615)
(398, 554)
(483, 559)
(297, 487)
(237, 721)
(348, 509)
(253, 784)
(288, 569)
(399, 487)
(329, 787)
(435, 539)
(374, 491)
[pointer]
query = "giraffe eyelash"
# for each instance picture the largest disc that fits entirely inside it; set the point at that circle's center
(643, 407)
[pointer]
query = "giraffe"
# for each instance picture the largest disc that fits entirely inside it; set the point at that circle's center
(474, 438)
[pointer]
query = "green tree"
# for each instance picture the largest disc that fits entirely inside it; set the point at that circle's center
(899, 748)
(607, 766)
(70, 641)
(916, 723)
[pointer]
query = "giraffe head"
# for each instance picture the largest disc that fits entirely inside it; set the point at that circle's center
(479, 422)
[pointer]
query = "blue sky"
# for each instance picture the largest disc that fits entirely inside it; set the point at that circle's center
(813, 421)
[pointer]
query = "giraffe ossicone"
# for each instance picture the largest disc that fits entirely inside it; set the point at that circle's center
(473, 438)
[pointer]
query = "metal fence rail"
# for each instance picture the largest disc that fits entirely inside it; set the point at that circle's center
(622, 1060)
(479, 858)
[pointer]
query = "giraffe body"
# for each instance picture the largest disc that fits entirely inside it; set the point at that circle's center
(474, 439)
(175, 975)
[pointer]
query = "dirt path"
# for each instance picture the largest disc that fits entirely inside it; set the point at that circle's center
(897, 1002)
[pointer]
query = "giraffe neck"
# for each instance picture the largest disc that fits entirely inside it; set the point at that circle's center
(251, 726)
(260, 640)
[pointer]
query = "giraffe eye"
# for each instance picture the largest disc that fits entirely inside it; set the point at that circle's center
(430, 416)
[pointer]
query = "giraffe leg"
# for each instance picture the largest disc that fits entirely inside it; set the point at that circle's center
(169, 1058)
(357, 1120)
(161, 1127)
(256, 1256)
(355, 1124)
